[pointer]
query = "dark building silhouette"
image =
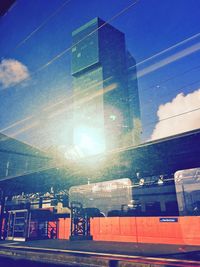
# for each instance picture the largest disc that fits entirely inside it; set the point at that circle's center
(106, 99)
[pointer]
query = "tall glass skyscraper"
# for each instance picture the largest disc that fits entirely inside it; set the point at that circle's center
(106, 100)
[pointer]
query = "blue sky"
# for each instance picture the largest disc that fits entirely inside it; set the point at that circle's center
(33, 105)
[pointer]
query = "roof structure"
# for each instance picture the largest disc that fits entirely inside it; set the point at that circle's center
(164, 156)
(19, 159)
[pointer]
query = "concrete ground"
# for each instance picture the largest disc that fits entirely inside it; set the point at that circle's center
(120, 248)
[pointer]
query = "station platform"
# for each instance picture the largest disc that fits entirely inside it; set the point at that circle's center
(184, 252)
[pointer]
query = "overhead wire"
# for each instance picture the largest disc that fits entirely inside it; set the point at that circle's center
(86, 99)
(57, 165)
(174, 116)
(61, 165)
(167, 49)
(67, 98)
(58, 56)
(86, 36)
(112, 18)
(172, 77)
(92, 32)
(47, 19)
(69, 48)
(160, 120)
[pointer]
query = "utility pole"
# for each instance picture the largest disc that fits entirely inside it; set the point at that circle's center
(2, 203)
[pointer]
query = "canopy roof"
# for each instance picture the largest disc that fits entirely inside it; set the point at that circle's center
(164, 156)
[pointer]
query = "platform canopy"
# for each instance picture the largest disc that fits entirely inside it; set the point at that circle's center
(20, 160)
(27, 169)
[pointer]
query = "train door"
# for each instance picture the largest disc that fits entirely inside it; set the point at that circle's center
(18, 221)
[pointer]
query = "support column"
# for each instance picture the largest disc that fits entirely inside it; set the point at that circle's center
(2, 202)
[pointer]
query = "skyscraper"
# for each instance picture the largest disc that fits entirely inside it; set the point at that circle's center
(106, 101)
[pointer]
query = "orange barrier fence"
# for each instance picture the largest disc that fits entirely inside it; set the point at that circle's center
(114, 229)
(185, 231)
(140, 229)
(52, 229)
(64, 228)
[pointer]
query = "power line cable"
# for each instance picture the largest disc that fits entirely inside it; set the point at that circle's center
(167, 49)
(186, 85)
(42, 24)
(36, 71)
(115, 151)
(137, 64)
(118, 14)
(109, 152)
(172, 77)
(171, 117)
(108, 21)
(69, 48)
(85, 37)
(174, 116)
(155, 141)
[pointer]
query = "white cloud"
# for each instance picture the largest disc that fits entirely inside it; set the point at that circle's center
(12, 72)
(170, 122)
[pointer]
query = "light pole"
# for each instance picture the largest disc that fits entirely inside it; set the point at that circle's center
(2, 202)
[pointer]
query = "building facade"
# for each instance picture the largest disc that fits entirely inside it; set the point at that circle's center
(105, 91)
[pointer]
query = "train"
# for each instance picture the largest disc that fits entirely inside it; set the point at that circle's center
(156, 209)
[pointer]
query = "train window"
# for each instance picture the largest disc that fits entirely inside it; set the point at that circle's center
(171, 208)
(152, 208)
(106, 196)
(187, 183)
